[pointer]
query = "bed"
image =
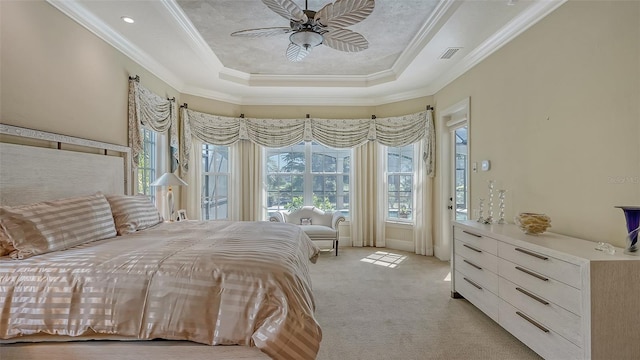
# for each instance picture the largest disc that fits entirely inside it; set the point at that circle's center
(211, 282)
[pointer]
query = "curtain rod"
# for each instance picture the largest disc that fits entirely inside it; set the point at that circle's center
(136, 78)
(184, 106)
(429, 107)
(373, 117)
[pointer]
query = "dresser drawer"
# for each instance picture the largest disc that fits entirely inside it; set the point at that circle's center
(541, 263)
(476, 256)
(477, 274)
(561, 321)
(476, 240)
(546, 287)
(536, 334)
(482, 298)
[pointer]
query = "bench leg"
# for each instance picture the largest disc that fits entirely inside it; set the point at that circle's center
(336, 247)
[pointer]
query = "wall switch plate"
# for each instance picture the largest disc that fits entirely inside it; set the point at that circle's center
(485, 165)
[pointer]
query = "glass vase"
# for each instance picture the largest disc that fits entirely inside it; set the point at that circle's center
(632, 215)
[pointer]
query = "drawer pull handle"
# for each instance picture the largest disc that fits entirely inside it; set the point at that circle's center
(472, 264)
(472, 234)
(472, 248)
(532, 254)
(474, 284)
(534, 297)
(533, 322)
(529, 272)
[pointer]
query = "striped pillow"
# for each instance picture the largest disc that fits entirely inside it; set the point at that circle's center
(133, 213)
(56, 225)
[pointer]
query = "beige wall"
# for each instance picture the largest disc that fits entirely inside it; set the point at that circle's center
(557, 111)
(56, 76)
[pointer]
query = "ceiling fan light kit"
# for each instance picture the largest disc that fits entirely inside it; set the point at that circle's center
(310, 28)
(306, 38)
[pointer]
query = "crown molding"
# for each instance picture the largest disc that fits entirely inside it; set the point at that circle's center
(82, 16)
(243, 78)
(536, 12)
(443, 11)
(197, 41)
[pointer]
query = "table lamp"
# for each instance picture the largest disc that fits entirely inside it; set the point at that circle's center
(169, 179)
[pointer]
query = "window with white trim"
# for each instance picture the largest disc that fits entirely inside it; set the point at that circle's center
(308, 174)
(215, 182)
(400, 183)
(147, 164)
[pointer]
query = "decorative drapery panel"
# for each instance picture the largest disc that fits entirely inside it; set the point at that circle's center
(247, 188)
(276, 133)
(345, 133)
(193, 177)
(367, 197)
(429, 154)
(154, 112)
(423, 180)
(401, 130)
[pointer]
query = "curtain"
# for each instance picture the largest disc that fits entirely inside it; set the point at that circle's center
(276, 133)
(423, 187)
(247, 188)
(154, 112)
(194, 179)
(367, 203)
(247, 136)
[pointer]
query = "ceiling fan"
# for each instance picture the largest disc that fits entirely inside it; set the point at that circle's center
(309, 28)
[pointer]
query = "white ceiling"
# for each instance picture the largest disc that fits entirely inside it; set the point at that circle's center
(186, 43)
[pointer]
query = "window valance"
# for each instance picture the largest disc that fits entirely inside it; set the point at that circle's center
(336, 133)
(151, 111)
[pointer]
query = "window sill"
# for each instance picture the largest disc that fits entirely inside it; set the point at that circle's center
(399, 224)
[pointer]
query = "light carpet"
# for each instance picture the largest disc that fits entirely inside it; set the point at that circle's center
(371, 304)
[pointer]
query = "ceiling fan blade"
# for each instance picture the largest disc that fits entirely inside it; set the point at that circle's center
(261, 32)
(296, 53)
(344, 13)
(287, 9)
(345, 40)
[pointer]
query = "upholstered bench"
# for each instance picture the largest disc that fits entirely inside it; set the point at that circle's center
(317, 224)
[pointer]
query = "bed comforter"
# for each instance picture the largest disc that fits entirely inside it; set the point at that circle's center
(211, 282)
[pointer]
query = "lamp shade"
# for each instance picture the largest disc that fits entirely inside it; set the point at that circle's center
(168, 179)
(306, 38)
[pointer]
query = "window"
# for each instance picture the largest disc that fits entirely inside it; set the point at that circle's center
(461, 173)
(147, 164)
(308, 174)
(400, 183)
(330, 173)
(215, 182)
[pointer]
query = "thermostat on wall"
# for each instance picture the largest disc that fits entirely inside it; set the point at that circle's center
(485, 165)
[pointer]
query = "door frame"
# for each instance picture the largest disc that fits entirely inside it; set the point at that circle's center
(453, 116)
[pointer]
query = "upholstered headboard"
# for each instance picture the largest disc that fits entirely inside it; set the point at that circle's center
(74, 167)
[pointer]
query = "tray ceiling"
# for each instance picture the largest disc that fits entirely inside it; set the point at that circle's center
(187, 44)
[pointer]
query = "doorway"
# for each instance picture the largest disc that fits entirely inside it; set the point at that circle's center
(454, 184)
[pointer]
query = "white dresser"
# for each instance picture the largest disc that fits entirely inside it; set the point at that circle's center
(557, 294)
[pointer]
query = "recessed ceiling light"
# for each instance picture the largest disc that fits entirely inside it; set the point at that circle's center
(127, 19)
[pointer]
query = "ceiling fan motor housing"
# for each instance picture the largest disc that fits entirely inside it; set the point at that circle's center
(306, 34)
